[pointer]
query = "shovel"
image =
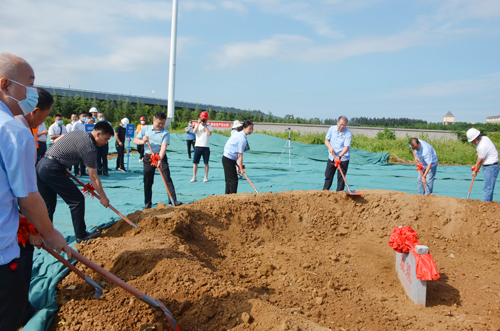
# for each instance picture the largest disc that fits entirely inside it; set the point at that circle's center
(98, 197)
(163, 178)
(88, 280)
(244, 174)
(157, 304)
(472, 182)
(421, 169)
(349, 192)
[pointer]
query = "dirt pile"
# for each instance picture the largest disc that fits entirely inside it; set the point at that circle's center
(298, 260)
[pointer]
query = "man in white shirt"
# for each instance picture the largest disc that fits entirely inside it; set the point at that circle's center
(69, 126)
(80, 125)
(57, 130)
(201, 146)
(487, 156)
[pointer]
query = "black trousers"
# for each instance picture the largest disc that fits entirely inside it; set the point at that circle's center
(102, 159)
(120, 150)
(190, 143)
(53, 181)
(40, 151)
(13, 295)
(149, 176)
(27, 261)
(140, 149)
(330, 172)
(230, 174)
(80, 169)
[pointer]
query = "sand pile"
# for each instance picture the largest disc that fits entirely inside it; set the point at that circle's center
(298, 260)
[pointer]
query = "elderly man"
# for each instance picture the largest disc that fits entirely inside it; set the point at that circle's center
(18, 187)
(487, 156)
(338, 140)
(426, 156)
(159, 138)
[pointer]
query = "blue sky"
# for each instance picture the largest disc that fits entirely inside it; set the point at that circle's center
(323, 58)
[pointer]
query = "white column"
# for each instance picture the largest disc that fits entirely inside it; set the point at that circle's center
(171, 75)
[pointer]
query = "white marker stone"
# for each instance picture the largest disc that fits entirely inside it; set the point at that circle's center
(406, 264)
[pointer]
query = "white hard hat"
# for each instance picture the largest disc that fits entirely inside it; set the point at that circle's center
(93, 110)
(236, 124)
(125, 121)
(472, 134)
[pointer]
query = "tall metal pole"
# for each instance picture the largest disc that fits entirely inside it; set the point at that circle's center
(171, 76)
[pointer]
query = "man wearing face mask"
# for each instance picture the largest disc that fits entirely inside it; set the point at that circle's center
(140, 148)
(102, 152)
(73, 148)
(18, 186)
(57, 130)
(80, 125)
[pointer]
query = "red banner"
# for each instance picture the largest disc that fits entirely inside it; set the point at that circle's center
(215, 124)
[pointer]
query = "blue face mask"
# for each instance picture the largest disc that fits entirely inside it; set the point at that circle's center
(60, 122)
(101, 119)
(143, 122)
(27, 105)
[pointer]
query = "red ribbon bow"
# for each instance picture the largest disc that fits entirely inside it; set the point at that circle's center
(419, 167)
(88, 189)
(154, 159)
(337, 163)
(474, 169)
(24, 230)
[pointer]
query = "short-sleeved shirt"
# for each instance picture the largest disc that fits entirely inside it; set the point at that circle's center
(486, 150)
(338, 142)
(122, 132)
(17, 178)
(190, 135)
(74, 148)
(78, 126)
(202, 137)
(426, 154)
(56, 130)
(235, 145)
(156, 138)
(69, 127)
(43, 137)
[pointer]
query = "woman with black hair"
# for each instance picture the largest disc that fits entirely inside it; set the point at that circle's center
(233, 155)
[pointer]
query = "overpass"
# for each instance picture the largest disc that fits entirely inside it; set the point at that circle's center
(150, 101)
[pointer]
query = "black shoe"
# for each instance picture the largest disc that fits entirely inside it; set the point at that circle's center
(78, 175)
(84, 174)
(178, 203)
(89, 236)
(122, 170)
(99, 173)
(106, 174)
(147, 206)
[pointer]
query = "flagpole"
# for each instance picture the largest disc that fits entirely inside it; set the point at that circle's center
(171, 76)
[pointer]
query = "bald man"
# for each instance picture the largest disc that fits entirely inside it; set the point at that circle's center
(18, 186)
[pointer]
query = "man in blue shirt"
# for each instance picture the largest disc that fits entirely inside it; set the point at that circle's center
(338, 140)
(159, 138)
(18, 187)
(190, 137)
(426, 156)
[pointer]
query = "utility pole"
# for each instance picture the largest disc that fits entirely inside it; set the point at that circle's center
(171, 74)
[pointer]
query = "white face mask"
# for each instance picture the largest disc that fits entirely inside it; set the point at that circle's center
(27, 105)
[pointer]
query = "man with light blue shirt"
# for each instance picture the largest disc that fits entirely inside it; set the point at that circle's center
(338, 140)
(159, 138)
(190, 138)
(426, 156)
(18, 187)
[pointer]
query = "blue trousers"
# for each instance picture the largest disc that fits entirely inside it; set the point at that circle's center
(429, 181)
(490, 174)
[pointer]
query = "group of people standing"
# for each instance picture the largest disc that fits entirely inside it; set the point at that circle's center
(338, 141)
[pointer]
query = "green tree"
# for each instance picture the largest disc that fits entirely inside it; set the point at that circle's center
(211, 113)
(196, 112)
(186, 114)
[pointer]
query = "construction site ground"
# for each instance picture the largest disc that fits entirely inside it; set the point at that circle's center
(301, 260)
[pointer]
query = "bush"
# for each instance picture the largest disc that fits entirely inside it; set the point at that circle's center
(386, 135)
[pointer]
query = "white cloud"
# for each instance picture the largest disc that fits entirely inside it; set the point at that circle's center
(196, 5)
(234, 5)
(485, 84)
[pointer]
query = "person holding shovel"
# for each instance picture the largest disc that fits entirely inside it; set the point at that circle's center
(159, 138)
(487, 156)
(338, 140)
(426, 156)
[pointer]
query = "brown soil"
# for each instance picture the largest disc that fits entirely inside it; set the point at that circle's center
(313, 260)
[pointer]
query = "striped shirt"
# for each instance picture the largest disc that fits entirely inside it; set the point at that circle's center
(74, 148)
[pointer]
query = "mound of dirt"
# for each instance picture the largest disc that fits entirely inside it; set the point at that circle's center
(314, 260)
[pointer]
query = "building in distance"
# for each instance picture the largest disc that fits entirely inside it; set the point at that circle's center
(449, 119)
(493, 119)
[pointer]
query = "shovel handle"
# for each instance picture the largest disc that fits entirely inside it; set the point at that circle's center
(106, 274)
(65, 262)
(248, 179)
(98, 197)
(343, 177)
(470, 188)
(163, 178)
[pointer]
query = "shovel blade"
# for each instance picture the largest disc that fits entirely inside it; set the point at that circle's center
(353, 193)
(157, 304)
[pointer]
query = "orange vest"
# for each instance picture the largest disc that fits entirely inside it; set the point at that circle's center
(34, 132)
(139, 127)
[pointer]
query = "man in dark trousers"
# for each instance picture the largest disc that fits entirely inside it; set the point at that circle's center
(102, 152)
(120, 133)
(159, 138)
(74, 148)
